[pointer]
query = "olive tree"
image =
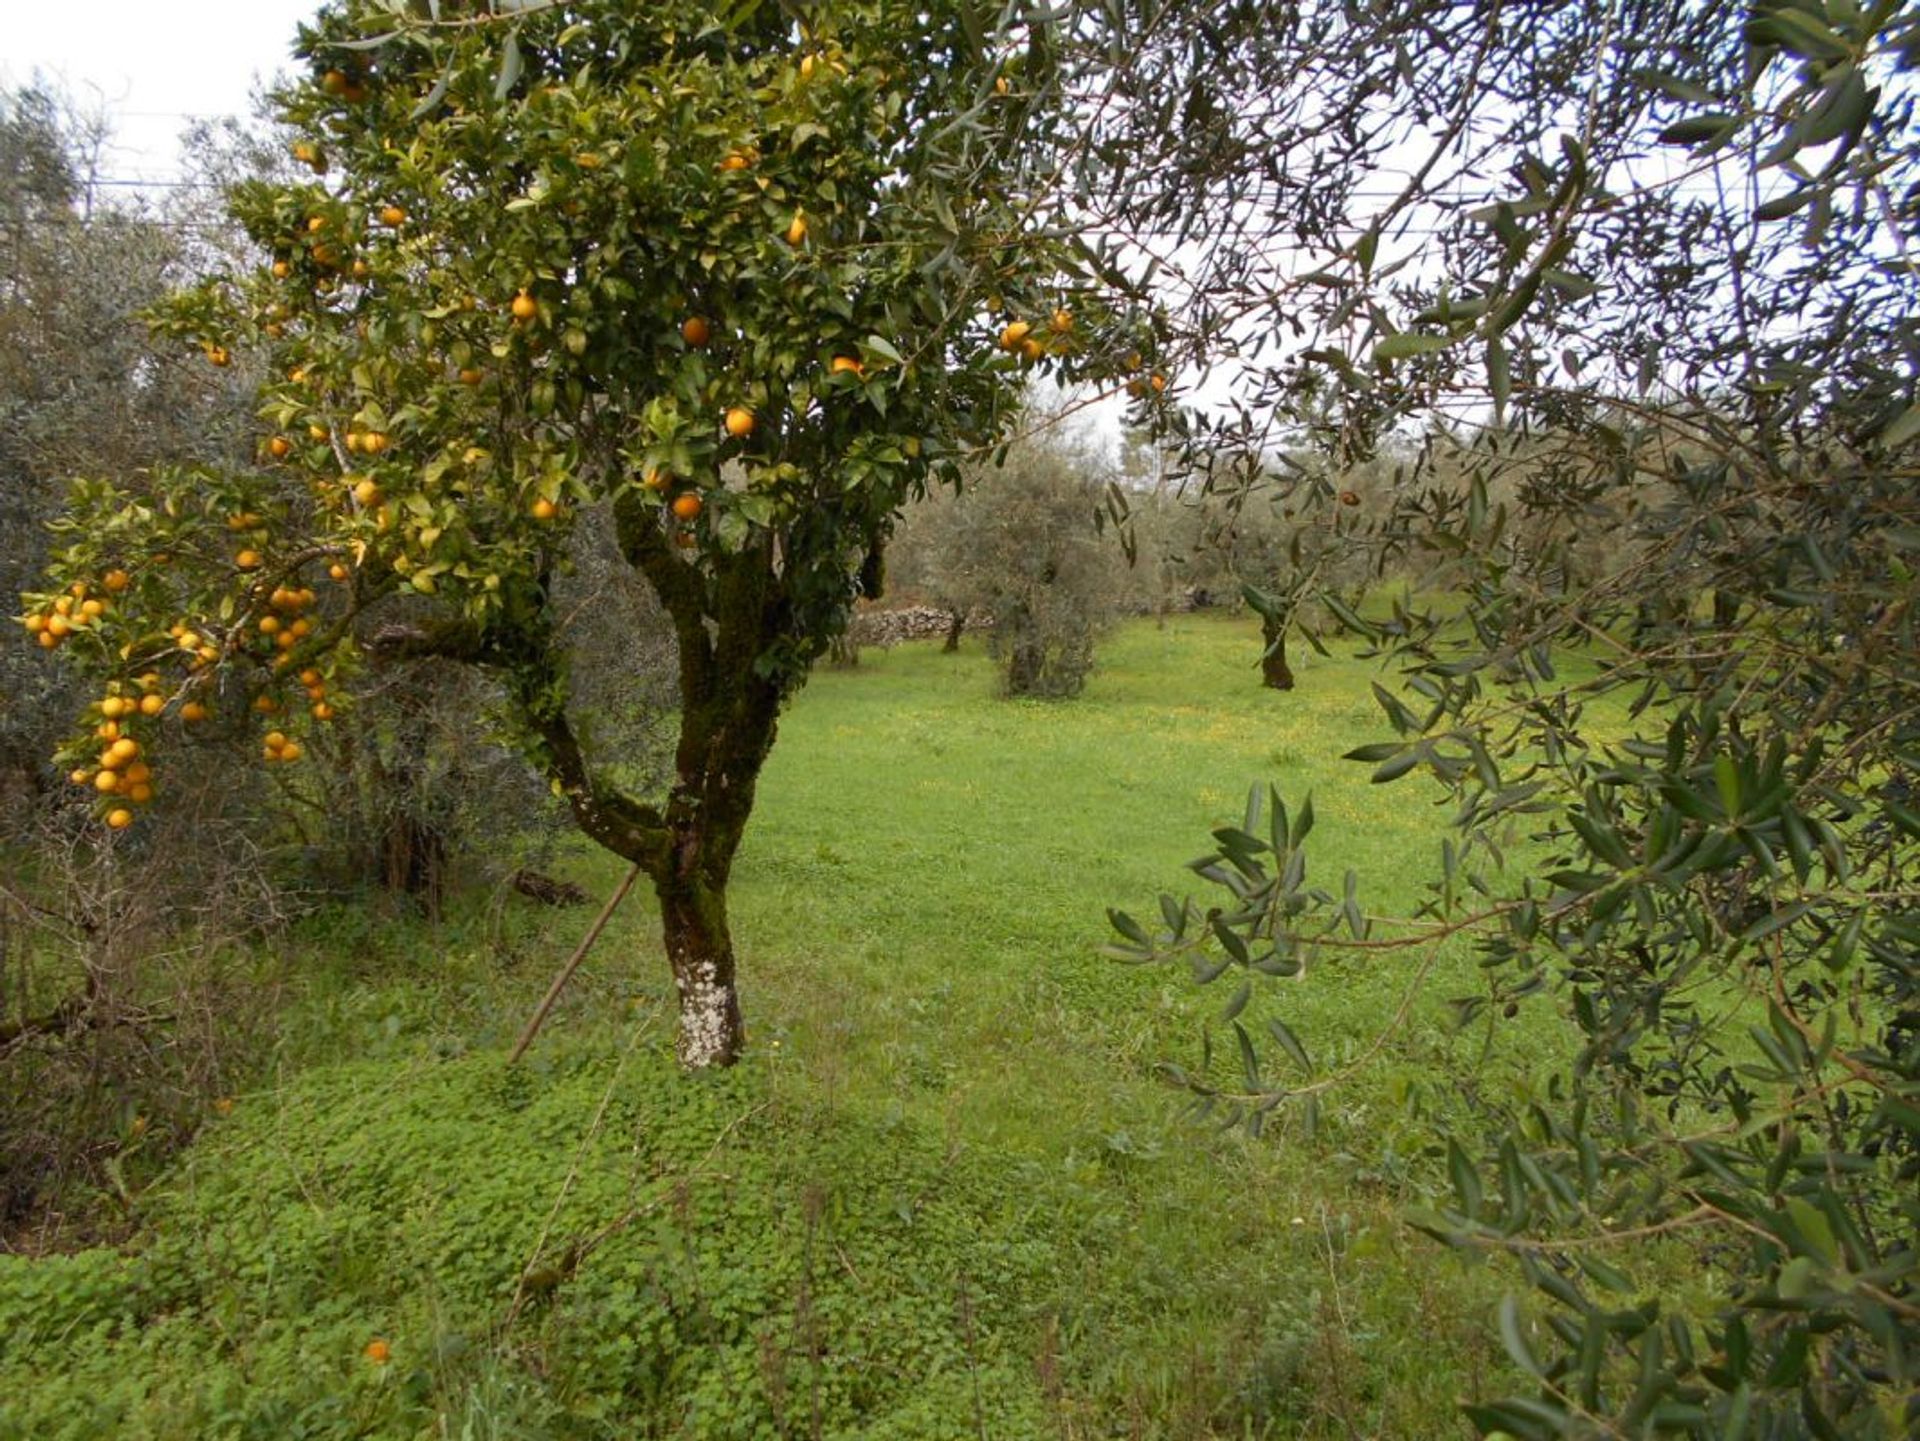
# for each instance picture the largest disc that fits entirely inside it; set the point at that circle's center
(1019, 544)
(1656, 255)
(82, 386)
(744, 278)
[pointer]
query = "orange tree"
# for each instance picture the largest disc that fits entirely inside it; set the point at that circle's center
(748, 277)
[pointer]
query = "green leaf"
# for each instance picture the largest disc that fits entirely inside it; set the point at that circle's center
(1903, 428)
(1798, 32)
(1799, 1278)
(511, 66)
(1781, 206)
(1514, 1337)
(1392, 770)
(1290, 1043)
(1705, 131)
(1466, 1180)
(1812, 1225)
(1408, 344)
(1726, 778)
(431, 100)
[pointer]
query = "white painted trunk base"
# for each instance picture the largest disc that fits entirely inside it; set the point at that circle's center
(703, 1014)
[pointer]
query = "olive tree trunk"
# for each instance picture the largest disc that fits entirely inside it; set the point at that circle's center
(1275, 673)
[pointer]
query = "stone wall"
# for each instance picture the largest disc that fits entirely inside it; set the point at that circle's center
(913, 622)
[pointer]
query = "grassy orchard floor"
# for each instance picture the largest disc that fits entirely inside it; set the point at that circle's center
(945, 1197)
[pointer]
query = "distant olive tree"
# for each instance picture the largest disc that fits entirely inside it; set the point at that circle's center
(83, 389)
(1020, 544)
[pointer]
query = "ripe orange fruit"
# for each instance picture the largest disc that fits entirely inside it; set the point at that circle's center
(1031, 350)
(1015, 335)
(124, 750)
(378, 1351)
(218, 355)
(140, 793)
(281, 270)
(337, 571)
(316, 432)
(139, 773)
(695, 331)
(471, 376)
(248, 560)
(739, 422)
(366, 490)
(797, 232)
(116, 581)
(81, 777)
(544, 509)
(266, 705)
(736, 160)
(279, 447)
(193, 710)
(119, 818)
(291, 752)
(322, 711)
(335, 82)
(393, 215)
(1157, 381)
(525, 307)
(111, 707)
(687, 506)
(1061, 322)
(106, 782)
(845, 364)
(48, 640)
(152, 705)
(1000, 86)
(374, 441)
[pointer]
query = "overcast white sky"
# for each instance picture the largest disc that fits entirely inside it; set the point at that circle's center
(150, 65)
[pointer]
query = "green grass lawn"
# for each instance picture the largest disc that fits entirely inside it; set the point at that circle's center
(946, 1196)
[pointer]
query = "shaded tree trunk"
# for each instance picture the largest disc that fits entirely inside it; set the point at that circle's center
(414, 860)
(956, 623)
(1275, 673)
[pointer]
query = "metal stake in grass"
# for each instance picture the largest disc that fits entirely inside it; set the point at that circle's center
(573, 964)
